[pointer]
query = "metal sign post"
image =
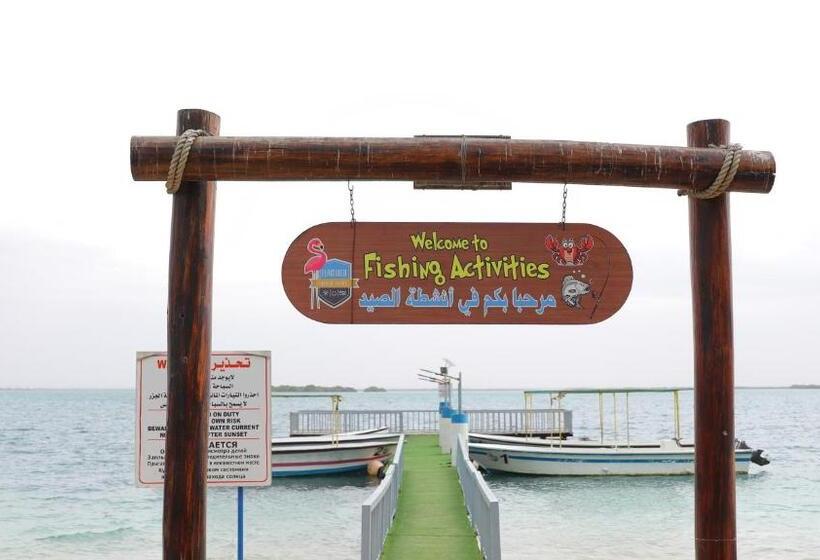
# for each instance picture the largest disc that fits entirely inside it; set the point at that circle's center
(238, 434)
(240, 522)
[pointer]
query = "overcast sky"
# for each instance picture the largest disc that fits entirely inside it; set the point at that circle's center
(84, 249)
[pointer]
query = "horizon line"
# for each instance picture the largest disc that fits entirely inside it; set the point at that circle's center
(132, 388)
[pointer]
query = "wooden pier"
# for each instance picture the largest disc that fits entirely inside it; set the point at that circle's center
(431, 521)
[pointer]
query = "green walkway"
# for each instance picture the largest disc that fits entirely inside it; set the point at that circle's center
(431, 522)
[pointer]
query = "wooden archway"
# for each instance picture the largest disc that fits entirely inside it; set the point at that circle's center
(450, 162)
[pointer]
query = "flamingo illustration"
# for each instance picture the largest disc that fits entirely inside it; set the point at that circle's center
(313, 265)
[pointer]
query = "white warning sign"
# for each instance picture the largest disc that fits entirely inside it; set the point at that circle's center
(239, 419)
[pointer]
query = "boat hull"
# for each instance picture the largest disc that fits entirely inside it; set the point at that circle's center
(545, 461)
(329, 459)
(556, 442)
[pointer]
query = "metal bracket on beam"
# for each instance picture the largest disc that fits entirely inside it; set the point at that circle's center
(463, 185)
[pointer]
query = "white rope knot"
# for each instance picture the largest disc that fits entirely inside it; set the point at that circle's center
(725, 176)
(180, 158)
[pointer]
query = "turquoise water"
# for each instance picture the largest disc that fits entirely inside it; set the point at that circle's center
(67, 486)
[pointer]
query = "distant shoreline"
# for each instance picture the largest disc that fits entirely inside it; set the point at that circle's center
(323, 389)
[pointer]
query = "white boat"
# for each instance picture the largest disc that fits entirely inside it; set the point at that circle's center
(582, 457)
(667, 457)
(329, 454)
(328, 458)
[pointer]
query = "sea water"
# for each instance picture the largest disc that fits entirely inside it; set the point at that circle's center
(67, 485)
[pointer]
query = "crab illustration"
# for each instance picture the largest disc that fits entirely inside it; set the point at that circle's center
(569, 252)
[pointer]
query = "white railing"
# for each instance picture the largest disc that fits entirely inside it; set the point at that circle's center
(481, 503)
(379, 509)
(308, 422)
(539, 421)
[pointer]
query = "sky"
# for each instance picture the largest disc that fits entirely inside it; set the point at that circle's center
(84, 248)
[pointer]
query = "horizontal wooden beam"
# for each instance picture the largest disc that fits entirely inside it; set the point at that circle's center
(451, 159)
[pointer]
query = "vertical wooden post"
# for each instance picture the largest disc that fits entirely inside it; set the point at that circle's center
(189, 358)
(711, 266)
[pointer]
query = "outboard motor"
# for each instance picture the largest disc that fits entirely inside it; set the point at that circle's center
(759, 459)
(757, 455)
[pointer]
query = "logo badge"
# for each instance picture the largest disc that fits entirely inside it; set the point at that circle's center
(334, 282)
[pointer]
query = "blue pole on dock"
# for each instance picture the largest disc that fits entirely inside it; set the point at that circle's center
(240, 522)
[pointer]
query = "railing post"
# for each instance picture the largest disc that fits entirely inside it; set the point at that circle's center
(366, 532)
(494, 552)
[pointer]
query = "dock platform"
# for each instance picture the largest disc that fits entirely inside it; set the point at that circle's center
(431, 521)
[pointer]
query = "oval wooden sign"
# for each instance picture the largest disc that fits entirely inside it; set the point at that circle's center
(457, 273)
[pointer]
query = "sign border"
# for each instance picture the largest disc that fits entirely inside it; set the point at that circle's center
(140, 358)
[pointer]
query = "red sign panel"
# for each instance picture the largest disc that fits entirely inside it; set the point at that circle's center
(457, 273)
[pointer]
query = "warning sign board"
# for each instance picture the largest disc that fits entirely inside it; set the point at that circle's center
(239, 419)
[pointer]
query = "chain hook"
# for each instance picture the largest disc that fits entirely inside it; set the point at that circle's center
(564, 209)
(352, 207)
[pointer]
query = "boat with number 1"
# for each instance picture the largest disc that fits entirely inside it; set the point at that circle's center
(583, 457)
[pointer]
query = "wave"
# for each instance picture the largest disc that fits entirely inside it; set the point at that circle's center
(119, 532)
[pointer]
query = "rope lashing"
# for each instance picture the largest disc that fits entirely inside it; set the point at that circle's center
(180, 158)
(725, 176)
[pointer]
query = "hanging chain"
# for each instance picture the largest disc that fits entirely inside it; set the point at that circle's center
(352, 208)
(564, 209)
